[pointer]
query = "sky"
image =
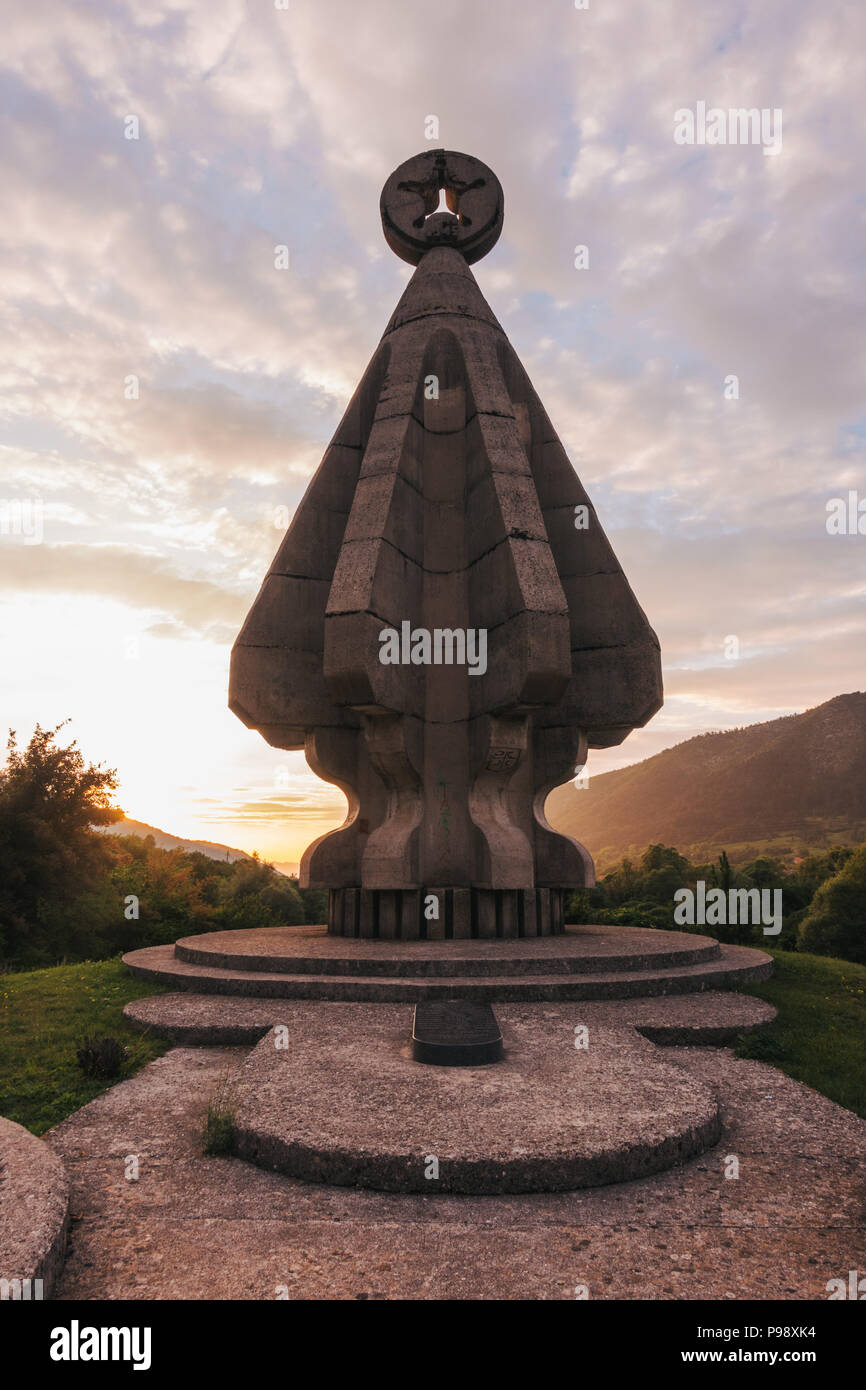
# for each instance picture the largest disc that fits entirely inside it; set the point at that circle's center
(167, 392)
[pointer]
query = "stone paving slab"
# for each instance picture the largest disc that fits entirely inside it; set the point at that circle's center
(34, 1211)
(817, 1128)
(195, 1227)
(338, 1098)
(831, 1197)
(181, 1259)
(712, 1017)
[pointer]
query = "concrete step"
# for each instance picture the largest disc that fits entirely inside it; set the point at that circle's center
(712, 1018)
(582, 950)
(734, 965)
(34, 1215)
(344, 1103)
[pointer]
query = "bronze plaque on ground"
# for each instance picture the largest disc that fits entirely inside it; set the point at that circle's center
(455, 1033)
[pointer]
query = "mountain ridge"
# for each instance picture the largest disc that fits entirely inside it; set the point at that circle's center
(781, 786)
(165, 840)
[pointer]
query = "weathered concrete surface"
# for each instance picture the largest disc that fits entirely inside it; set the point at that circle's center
(711, 1018)
(196, 1228)
(445, 503)
(580, 949)
(34, 1210)
(735, 965)
(410, 200)
(335, 1096)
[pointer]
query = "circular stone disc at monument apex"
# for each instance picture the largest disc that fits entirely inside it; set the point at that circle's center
(411, 222)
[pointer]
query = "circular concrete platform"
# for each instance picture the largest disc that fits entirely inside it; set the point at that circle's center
(335, 1097)
(585, 962)
(578, 950)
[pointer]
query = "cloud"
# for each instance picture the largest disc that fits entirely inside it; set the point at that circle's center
(128, 577)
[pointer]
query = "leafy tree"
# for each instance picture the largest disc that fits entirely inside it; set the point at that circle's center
(283, 901)
(657, 857)
(50, 854)
(835, 924)
(315, 904)
(170, 898)
(725, 871)
(812, 871)
(620, 885)
(763, 873)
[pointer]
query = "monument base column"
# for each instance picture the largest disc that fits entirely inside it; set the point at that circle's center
(446, 914)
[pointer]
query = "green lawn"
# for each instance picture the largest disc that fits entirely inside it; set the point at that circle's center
(821, 1027)
(42, 1014)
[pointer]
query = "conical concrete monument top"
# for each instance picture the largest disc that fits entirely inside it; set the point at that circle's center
(445, 628)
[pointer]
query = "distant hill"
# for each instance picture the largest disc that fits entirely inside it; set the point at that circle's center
(287, 868)
(786, 787)
(163, 840)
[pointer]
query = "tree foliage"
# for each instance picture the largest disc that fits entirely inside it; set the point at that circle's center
(823, 898)
(835, 924)
(50, 854)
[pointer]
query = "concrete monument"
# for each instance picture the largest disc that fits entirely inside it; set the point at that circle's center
(445, 629)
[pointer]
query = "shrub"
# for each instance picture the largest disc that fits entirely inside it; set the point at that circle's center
(100, 1055)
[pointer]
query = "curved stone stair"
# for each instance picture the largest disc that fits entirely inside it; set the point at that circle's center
(711, 1018)
(584, 963)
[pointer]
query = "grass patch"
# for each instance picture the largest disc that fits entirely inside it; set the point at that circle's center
(760, 1047)
(44, 1015)
(218, 1127)
(821, 1027)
